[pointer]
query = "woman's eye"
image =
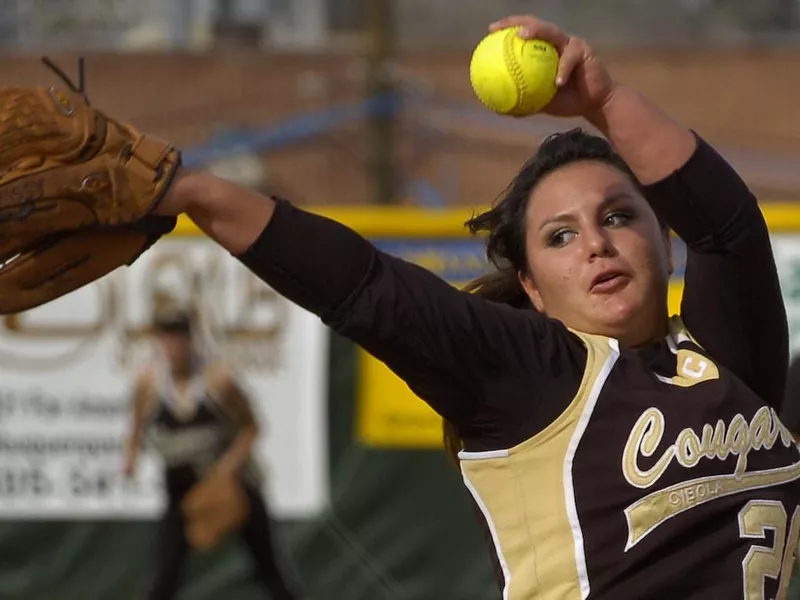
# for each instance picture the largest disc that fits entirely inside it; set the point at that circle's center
(560, 237)
(617, 219)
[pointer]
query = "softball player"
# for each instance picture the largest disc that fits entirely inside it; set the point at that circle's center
(200, 421)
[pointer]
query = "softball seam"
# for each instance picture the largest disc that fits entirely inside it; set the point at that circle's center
(515, 69)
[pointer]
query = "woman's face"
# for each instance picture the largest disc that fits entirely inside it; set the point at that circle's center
(598, 259)
(177, 348)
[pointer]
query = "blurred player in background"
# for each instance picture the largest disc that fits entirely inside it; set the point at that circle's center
(201, 423)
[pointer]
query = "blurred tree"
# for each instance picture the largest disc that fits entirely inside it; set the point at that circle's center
(381, 48)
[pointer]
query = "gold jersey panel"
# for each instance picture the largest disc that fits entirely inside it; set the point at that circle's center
(666, 477)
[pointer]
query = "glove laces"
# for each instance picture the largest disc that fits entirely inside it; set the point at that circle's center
(80, 88)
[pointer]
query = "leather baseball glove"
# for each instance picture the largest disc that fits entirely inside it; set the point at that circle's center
(76, 192)
(216, 506)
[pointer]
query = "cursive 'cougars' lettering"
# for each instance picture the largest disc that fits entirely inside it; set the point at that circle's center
(738, 438)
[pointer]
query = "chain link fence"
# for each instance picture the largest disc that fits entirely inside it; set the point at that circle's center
(266, 108)
(182, 24)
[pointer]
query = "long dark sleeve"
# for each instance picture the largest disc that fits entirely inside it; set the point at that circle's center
(315, 262)
(444, 343)
(732, 302)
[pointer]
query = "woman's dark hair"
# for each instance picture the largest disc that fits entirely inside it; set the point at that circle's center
(174, 320)
(504, 225)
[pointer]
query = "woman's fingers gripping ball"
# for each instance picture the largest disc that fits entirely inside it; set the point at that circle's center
(583, 83)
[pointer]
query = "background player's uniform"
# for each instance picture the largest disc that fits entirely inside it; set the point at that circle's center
(659, 472)
(191, 436)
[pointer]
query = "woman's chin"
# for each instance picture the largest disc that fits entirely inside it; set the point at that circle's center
(622, 320)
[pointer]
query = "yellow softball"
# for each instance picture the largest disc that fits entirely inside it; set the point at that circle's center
(512, 76)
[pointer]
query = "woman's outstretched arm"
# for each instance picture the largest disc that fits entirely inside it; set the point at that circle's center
(443, 342)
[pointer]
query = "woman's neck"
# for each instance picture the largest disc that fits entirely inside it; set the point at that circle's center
(182, 371)
(642, 338)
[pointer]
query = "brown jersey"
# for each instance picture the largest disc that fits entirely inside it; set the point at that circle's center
(192, 430)
(602, 472)
(665, 477)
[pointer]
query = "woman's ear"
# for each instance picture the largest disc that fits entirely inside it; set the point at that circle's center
(526, 281)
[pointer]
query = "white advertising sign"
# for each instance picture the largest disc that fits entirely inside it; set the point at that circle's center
(66, 369)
